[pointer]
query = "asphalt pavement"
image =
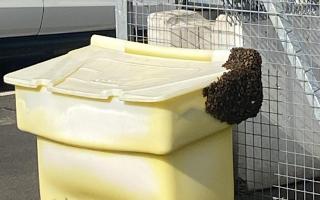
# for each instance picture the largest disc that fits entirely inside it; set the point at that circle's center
(18, 157)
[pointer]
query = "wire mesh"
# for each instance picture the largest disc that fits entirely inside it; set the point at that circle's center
(277, 153)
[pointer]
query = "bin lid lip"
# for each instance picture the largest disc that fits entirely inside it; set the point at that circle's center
(112, 68)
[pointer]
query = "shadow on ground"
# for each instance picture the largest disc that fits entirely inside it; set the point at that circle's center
(18, 157)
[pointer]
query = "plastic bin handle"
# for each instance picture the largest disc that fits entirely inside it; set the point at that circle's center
(168, 52)
(151, 50)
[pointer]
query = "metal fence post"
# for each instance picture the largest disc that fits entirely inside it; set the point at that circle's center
(121, 19)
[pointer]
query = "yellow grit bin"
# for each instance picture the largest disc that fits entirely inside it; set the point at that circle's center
(118, 120)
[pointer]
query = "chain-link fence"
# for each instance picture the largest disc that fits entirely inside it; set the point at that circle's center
(277, 153)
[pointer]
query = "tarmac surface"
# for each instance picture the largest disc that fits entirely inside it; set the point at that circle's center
(18, 157)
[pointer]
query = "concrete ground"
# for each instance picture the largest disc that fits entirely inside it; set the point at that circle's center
(18, 158)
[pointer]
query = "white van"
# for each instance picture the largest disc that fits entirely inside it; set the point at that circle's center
(42, 17)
